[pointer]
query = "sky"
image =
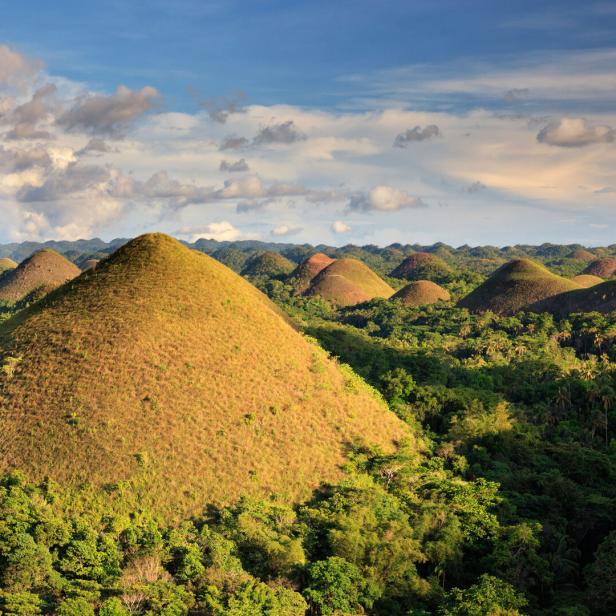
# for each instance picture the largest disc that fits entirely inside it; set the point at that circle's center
(363, 121)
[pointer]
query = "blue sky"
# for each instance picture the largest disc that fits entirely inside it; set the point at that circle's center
(333, 101)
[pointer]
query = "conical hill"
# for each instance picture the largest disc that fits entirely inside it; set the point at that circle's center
(164, 368)
(514, 286)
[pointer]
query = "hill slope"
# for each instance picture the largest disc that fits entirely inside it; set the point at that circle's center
(587, 280)
(604, 267)
(268, 264)
(44, 269)
(423, 266)
(581, 254)
(598, 298)
(7, 264)
(514, 286)
(306, 271)
(347, 282)
(163, 367)
(420, 293)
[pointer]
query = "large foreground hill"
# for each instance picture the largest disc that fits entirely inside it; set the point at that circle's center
(163, 367)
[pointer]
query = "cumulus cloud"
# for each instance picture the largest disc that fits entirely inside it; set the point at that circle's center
(574, 133)
(15, 68)
(96, 146)
(220, 108)
(17, 160)
(222, 231)
(285, 230)
(338, 226)
(99, 114)
(25, 118)
(233, 142)
(412, 135)
(234, 167)
(285, 132)
(384, 199)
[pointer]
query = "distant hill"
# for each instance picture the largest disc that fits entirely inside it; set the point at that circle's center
(421, 292)
(604, 268)
(514, 286)
(307, 270)
(89, 264)
(45, 269)
(347, 282)
(7, 264)
(164, 368)
(581, 254)
(598, 298)
(423, 266)
(268, 264)
(587, 280)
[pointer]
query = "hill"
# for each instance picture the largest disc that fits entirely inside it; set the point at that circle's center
(164, 368)
(306, 271)
(598, 298)
(421, 292)
(581, 254)
(268, 264)
(90, 264)
(604, 268)
(423, 266)
(7, 264)
(45, 269)
(514, 286)
(587, 280)
(347, 282)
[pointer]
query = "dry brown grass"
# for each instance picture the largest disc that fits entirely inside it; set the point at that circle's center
(45, 268)
(306, 271)
(581, 254)
(598, 298)
(165, 368)
(7, 264)
(514, 286)
(422, 266)
(420, 293)
(587, 280)
(604, 268)
(347, 282)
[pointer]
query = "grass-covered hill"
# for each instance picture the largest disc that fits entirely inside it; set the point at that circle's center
(581, 254)
(420, 293)
(7, 264)
(164, 368)
(597, 298)
(307, 270)
(604, 268)
(514, 286)
(269, 264)
(347, 282)
(423, 266)
(587, 280)
(45, 269)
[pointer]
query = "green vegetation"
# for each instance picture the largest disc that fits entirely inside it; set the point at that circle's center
(269, 264)
(498, 499)
(423, 266)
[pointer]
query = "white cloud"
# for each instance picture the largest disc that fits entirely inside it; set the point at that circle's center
(340, 227)
(574, 133)
(285, 230)
(384, 199)
(222, 231)
(15, 68)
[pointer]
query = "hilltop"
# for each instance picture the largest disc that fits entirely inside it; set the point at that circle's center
(514, 286)
(348, 281)
(603, 268)
(581, 254)
(587, 280)
(423, 266)
(598, 298)
(7, 264)
(45, 269)
(306, 271)
(268, 264)
(421, 292)
(164, 368)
